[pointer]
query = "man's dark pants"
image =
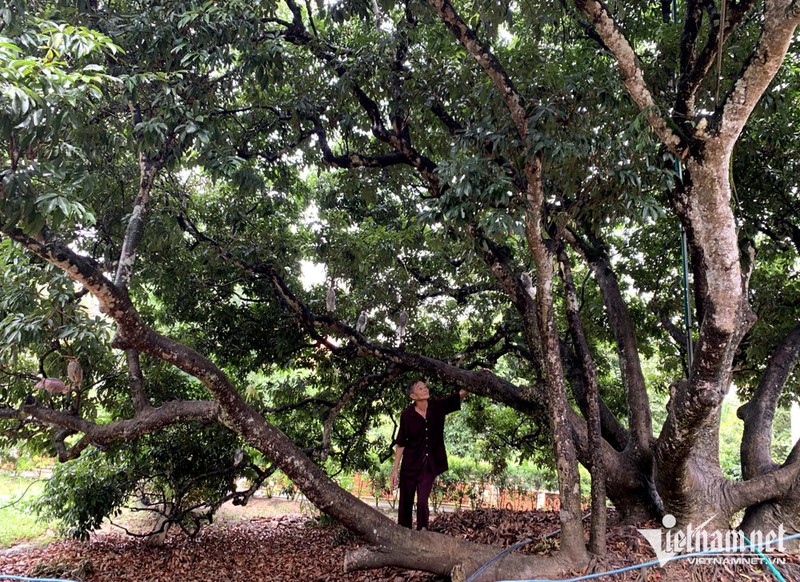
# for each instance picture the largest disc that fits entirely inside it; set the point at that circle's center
(420, 483)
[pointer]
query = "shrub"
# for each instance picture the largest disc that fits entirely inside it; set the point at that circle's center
(180, 476)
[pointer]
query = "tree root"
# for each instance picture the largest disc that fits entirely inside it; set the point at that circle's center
(448, 556)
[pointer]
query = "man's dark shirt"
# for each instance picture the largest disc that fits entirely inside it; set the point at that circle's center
(423, 438)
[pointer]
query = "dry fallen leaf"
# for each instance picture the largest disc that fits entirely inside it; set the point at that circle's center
(296, 549)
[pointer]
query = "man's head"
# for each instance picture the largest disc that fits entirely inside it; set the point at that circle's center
(417, 390)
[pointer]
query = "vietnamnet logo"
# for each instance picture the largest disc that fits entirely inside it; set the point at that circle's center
(728, 546)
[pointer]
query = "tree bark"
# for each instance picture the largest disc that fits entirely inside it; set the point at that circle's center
(757, 462)
(148, 170)
(563, 447)
(632, 490)
(597, 539)
(547, 345)
(449, 556)
(639, 419)
(759, 412)
(144, 422)
(686, 451)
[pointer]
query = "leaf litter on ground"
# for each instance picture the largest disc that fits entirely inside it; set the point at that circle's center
(296, 548)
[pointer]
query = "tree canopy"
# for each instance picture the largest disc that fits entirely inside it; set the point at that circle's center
(513, 178)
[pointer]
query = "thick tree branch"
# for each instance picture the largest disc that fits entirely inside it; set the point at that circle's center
(354, 160)
(81, 269)
(488, 62)
(136, 382)
(630, 70)
(398, 74)
(640, 419)
(148, 169)
(593, 419)
(548, 345)
(480, 382)
(781, 18)
(695, 67)
(758, 414)
(612, 429)
(498, 258)
(404, 553)
(145, 421)
(721, 295)
(773, 484)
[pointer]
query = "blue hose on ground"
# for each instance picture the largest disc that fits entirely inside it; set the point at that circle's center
(680, 557)
(482, 569)
(766, 559)
(578, 579)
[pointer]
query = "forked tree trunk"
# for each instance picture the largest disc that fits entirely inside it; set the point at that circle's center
(692, 490)
(687, 464)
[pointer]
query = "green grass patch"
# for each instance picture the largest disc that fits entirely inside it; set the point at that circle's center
(18, 523)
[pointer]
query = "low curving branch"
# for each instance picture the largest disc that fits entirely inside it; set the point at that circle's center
(771, 485)
(102, 435)
(759, 412)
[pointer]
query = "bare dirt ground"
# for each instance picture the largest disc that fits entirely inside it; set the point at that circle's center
(270, 541)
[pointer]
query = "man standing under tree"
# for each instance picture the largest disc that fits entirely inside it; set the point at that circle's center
(420, 445)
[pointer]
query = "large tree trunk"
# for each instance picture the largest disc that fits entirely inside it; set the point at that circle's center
(687, 464)
(687, 457)
(692, 489)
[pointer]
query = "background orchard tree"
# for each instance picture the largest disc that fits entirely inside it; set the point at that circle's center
(179, 161)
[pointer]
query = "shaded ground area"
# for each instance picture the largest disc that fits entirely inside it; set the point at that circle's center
(248, 548)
